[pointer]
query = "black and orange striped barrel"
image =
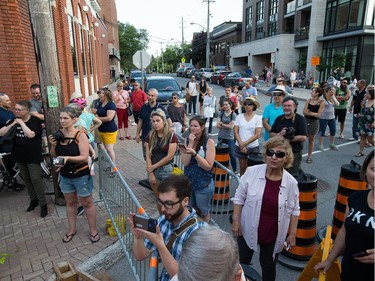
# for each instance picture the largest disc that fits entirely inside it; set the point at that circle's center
(306, 229)
(349, 182)
(221, 178)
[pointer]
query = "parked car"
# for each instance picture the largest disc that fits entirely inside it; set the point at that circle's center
(206, 72)
(193, 72)
(186, 71)
(166, 86)
(180, 71)
(189, 71)
(137, 75)
(236, 78)
(218, 76)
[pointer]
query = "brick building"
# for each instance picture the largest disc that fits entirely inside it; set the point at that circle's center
(86, 40)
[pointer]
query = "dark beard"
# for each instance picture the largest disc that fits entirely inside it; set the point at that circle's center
(343, 88)
(175, 215)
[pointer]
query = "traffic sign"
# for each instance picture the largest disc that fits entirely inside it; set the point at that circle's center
(315, 61)
(141, 59)
(183, 60)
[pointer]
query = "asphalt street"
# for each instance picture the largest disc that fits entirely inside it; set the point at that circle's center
(326, 168)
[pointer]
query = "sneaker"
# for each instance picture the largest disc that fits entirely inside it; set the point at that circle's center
(80, 210)
(342, 136)
(321, 147)
(134, 124)
(351, 139)
(333, 147)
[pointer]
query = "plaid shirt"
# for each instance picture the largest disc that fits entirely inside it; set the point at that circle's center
(167, 229)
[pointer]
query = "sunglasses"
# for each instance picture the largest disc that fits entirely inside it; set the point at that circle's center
(271, 153)
(247, 103)
(174, 98)
(278, 95)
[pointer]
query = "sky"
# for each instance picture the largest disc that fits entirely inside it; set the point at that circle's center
(163, 18)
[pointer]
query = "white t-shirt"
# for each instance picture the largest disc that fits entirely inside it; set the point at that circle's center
(193, 88)
(246, 129)
(293, 75)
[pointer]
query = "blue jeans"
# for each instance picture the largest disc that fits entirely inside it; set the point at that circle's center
(201, 199)
(193, 103)
(163, 172)
(323, 125)
(233, 159)
(354, 128)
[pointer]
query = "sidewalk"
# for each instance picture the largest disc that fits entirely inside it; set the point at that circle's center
(33, 243)
(299, 93)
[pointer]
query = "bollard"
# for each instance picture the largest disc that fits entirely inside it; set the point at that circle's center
(220, 176)
(306, 229)
(349, 182)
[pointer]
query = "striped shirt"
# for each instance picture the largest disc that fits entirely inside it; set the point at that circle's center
(167, 229)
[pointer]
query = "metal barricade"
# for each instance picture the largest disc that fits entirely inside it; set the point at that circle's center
(119, 200)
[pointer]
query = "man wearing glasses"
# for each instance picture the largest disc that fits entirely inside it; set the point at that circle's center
(342, 95)
(177, 221)
(291, 126)
(177, 114)
(273, 110)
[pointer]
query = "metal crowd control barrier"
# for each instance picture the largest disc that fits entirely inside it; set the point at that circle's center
(120, 201)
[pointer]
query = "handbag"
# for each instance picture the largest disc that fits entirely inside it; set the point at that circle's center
(129, 109)
(187, 97)
(6, 141)
(216, 113)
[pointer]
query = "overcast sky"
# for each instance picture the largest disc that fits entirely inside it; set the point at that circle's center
(163, 19)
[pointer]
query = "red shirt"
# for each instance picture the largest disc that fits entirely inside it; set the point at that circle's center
(267, 229)
(138, 98)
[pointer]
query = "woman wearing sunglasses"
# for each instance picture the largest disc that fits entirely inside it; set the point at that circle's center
(247, 129)
(266, 207)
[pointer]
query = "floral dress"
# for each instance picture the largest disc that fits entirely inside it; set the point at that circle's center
(366, 120)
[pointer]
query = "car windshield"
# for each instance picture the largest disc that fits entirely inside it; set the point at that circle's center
(137, 74)
(163, 85)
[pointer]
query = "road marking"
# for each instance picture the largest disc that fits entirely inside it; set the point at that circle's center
(340, 145)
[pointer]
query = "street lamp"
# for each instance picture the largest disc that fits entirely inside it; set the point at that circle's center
(207, 43)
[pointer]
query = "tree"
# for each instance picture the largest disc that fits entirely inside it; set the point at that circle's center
(131, 40)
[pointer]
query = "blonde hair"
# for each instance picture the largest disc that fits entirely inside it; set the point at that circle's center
(277, 141)
(153, 135)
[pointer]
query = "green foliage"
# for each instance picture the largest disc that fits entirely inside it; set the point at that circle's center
(131, 40)
(3, 257)
(339, 60)
(302, 62)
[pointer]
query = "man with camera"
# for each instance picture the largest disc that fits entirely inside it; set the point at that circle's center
(291, 126)
(177, 222)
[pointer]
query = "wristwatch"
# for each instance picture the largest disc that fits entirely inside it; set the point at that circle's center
(195, 154)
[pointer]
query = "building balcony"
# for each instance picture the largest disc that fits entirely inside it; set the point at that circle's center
(112, 51)
(302, 33)
(291, 7)
(95, 5)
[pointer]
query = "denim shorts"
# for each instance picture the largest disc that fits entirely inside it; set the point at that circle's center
(82, 185)
(201, 199)
(163, 172)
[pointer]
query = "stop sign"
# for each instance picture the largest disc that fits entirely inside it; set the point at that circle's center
(141, 59)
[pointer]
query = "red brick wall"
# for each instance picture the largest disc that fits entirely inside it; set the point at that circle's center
(18, 66)
(18, 69)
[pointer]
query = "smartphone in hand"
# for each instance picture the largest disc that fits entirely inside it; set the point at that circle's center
(144, 223)
(181, 145)
(360, 254)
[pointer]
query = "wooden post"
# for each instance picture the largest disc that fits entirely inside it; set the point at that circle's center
(46, 55)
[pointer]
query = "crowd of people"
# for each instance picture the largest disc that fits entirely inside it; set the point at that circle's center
(260, 221)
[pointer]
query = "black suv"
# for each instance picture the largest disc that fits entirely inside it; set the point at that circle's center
(166, 86)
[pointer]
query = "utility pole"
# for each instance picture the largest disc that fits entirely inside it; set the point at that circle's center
(208, 33)
(182, 42)
(48, 70)
(162, 57)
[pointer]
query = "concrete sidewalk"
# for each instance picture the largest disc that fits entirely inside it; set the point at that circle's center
(300, 94)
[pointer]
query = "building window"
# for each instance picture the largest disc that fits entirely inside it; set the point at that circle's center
(274, 6)
(343, 15)
(83, 53)
(272, 28)
(249, 23)
(259, 19)
(73, 48)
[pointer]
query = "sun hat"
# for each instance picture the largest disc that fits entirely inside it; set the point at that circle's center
(280, 89)
(250, 99)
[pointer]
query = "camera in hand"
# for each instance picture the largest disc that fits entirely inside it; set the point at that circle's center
(58, 135)
(289, 133)
(148, 224)
(58, 161)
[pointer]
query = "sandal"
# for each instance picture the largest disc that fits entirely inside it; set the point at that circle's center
(359, 154)
(128, 137)
(94, 238)
(68, 237)
(121, 138)
(308, 160)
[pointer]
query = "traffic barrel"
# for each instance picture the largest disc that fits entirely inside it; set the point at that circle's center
(220, 175)
(306, 228)
(349, 182)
